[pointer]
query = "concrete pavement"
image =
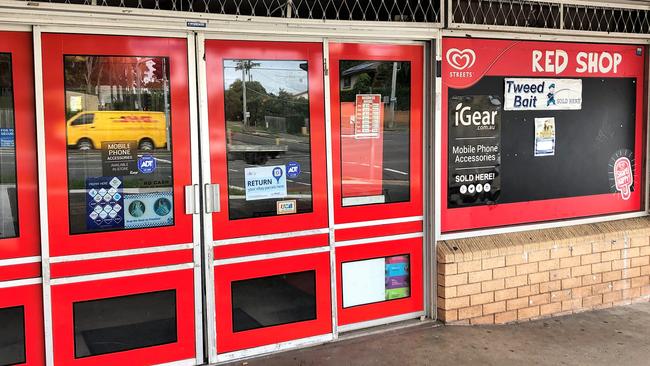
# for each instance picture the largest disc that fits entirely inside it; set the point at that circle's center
(616, 336)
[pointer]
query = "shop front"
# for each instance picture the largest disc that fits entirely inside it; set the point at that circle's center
(205, 196)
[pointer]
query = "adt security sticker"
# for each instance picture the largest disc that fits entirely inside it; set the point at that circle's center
(266, 182)
(146, 164)
(148, 210)
(293, 169)
(104, 203)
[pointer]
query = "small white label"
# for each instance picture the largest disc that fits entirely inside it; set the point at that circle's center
(363, 200)
(286, 207)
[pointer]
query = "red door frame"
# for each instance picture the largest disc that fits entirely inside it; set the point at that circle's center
(216, 52)
(384, 309)
(379, 52)
(29, 297)
(64, 295)
(54, 47)
(228, 341)
(27, 243)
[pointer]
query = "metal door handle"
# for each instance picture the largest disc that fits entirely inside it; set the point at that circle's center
(212, 198)
(192, 199)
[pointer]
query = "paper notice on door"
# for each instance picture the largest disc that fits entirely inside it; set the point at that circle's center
(545, 136)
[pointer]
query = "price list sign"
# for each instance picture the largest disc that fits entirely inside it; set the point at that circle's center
(367, 116)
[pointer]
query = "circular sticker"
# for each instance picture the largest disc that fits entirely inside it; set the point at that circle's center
(137, 208)
(162, 207)
(487, 187)
(463, 189)
(479, 188)
(146, 164)
(293, 169)
(470, 189)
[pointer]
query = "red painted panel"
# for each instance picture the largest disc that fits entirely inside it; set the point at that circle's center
(54, 47)
(122, 263)
(379, 52)
(378, 230)
(30, 297)
(413, 303)
(20, 271)
(63, 297)
(19, 44)
(228, 341)
(216, 53)
(270, 246)
(493, 57)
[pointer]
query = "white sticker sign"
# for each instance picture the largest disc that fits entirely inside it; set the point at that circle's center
(265, 182)
(545, 136)
(542, 94)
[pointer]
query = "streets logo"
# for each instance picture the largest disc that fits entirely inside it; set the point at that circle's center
(461, 60)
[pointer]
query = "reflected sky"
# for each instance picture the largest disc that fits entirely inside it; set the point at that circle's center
(274, 75)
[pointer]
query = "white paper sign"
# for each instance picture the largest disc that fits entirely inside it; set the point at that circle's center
(542, 94)
(265, 182)
(545, 136)
(364, 282)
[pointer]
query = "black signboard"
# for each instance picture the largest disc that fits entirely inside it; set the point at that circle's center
(474, 150)
(119, 158)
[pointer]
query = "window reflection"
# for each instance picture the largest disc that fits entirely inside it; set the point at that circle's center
(375, 119)
(267, 129)
(119, 143)
(8, 197)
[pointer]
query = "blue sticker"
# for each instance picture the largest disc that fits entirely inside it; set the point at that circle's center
(146, 164)
(104, 203)
(293, 169)
(277, 173)
(7, 137)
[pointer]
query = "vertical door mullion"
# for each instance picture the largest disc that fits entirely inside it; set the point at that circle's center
(196, 181)
(330, 184)
(208, 251)
(42, 196)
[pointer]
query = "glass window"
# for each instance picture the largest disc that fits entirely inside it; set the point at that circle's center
(267, 131)
(287, 298)
(8, 196)
(12, 336)
(375, 280)
(375, 122)
(124, 323)
(119, 143)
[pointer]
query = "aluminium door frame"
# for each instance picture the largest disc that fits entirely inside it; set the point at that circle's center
(38, 30)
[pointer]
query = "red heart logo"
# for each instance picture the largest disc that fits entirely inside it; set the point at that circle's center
(461, 59)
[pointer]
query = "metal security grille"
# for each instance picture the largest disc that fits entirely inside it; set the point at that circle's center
(357, 10)
(593, 16)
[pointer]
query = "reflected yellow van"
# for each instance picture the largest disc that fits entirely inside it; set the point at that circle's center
(88, 130)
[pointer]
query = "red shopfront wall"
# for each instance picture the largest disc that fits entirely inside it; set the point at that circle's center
(117, 66)
(20, 242)
(466, 62)
(362, 158)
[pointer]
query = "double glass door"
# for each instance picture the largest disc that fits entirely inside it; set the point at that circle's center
(154, 255)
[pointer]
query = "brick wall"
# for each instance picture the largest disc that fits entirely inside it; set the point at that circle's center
(522, 276)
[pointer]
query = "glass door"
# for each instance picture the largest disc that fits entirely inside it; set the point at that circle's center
(267, 195)
(21, 316)
(118, 161)
(377, 123)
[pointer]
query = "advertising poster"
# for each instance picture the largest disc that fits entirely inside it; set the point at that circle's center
(474, 150)
(119, 158)
(148, 210)
(542, 94)
(104, 203)
(266, 182)
(545, 136)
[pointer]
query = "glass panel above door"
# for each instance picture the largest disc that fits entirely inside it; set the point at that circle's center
(267, 133)
(119, 143)
(375, 118)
